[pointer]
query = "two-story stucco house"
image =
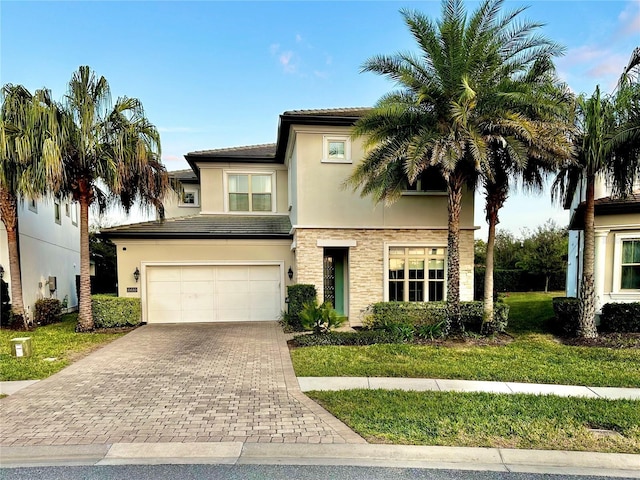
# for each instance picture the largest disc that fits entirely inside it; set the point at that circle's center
(49, 243)
(617, 245)
(251, 220)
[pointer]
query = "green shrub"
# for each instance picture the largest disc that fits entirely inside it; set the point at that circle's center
(566, 310)
(319, 318)
(429, 332)
(47, 311)
(364, 337)
(297, 296)
(621, 317)
(417, 314)
(109, 311)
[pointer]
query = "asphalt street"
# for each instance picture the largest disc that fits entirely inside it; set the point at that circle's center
(262, 472)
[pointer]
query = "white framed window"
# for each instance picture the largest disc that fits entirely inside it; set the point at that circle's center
(67, 209)
(250, 192)
(336, 149)
(57, 212)
(33, 205)
(626, 263)
(429, 182)
(190, 197)
(416, 274)
(74, 213)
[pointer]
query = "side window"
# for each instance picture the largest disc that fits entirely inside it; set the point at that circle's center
(33, 205)
(57, 212)
(336, 149)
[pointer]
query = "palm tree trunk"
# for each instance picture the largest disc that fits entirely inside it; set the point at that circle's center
(492, 217)
(546, 284)
(587, 310)
(496, 195)
(454, 319)
(85, 315)
(9, 217)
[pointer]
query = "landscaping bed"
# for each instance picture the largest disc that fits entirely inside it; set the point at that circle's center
(488, 420)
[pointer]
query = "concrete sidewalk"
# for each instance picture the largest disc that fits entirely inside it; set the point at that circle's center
(429, 384)
(411, 456)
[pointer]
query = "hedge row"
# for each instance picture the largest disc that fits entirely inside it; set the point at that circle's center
(364, 337)
(616, 317)
(110, 311)
(298, 295)
(386, 314)
(515, 281)
(47, 311)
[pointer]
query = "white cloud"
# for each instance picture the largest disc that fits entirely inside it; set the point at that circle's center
(273, 48)
(298, 38)
(285, 60)
(629, 19)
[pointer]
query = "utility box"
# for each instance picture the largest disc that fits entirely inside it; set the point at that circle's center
(53, 284)
(21, 347)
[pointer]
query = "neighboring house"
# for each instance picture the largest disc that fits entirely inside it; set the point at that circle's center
(49, 243)
(617, 245)
(249, 221)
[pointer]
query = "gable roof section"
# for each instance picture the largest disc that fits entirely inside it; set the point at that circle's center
(264, 153)
(183, 176)
(606, 206)
(328, 116)
(208, 227)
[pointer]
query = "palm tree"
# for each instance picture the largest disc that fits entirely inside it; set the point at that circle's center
(30, 166)
(449, 109)
(113, 147)
(608, 144)
(529, 158)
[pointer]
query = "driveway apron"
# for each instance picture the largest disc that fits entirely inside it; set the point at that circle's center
(174, 383)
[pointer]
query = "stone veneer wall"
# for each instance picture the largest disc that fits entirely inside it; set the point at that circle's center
(366, 269)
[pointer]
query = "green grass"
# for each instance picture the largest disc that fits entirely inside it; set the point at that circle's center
(528, 311)
(531, 357)
(486, 420)
(57, 341)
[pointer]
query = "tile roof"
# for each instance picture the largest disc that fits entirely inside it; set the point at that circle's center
(331, 112)
(186, 175)
(607, 206)
(207, 226)
(263, 150)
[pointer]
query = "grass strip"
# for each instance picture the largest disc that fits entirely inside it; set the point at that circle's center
(487, 420)
(58, 343)
(533, 358)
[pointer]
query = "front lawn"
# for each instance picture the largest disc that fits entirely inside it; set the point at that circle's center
(58, 343)
(532, 357)
(487, 420)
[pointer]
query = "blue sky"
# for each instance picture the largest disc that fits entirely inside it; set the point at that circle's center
(217, 74)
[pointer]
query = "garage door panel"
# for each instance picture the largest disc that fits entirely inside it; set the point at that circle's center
(232, 273)
(209, 293)
(163, 274)
(197, 273)
(265, 272)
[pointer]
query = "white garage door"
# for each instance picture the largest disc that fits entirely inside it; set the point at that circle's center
(220, 293)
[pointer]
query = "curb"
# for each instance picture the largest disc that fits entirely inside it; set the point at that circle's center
(404, 456)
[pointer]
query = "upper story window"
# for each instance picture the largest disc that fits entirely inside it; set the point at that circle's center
(74, 213)
(429, 181)
(57, 212)
(416, 274)
(33, 205)
(189, 197)
(336, 149)
(250, 192)
(630, 265)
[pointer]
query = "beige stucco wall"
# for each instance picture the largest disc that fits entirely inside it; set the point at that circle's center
(212, 188)
(366, 260)
(173, 208)
(323, 201)
(608, 229)
(133, 253)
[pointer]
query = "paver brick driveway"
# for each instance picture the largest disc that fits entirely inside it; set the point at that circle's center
(174, 383)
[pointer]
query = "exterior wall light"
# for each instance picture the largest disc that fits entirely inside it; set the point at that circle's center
(136, 274)
(290, 273)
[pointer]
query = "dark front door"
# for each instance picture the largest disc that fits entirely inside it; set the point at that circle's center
(334, 277)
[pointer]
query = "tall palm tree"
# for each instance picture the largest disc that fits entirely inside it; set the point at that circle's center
(29, 166)
(529, 158)
(608, 144)
(110, 146)
(449, 108)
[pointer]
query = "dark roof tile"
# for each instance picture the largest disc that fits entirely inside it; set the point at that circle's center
(207, 226)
